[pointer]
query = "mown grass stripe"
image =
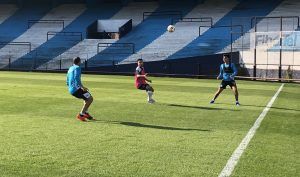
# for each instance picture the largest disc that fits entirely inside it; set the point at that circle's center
(233, 160)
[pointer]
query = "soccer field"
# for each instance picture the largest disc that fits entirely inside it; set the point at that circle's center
(180, 135)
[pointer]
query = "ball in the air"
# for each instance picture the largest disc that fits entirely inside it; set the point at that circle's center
(171, 28)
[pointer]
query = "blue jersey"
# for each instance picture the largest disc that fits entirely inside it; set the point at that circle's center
(74, 78)
(227, 72)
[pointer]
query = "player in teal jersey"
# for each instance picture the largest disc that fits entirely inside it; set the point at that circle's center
(227, 73)
(78, 90)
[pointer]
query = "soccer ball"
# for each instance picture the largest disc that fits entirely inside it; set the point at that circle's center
(171, 28)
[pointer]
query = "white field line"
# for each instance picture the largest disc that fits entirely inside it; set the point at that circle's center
(233, 160)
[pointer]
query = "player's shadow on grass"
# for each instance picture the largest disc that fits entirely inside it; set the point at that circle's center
(135, 124)
(273, 107)
(200, 107)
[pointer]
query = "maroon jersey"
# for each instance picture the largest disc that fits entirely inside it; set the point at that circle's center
(139, 80)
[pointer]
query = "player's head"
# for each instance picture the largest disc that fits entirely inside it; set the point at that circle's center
(140, 62)
(226, 58)
(76, 61)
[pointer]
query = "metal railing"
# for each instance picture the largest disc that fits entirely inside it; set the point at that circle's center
(162, 13)
(63, 33)
(272, 70)
(256, 19)
(223, 26)
(17, 44)
(191, 20)
(117, 46)
(30, 22)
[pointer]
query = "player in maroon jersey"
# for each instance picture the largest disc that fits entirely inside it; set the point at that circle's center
(141, 80)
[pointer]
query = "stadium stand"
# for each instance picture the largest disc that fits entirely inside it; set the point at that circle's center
(6, 10)
(215, 40)
(16, 24)
(268, 52)
(48, 36)
(150, 29)
(61, 42)
(36, 33)
(169, 43)
(88, 47)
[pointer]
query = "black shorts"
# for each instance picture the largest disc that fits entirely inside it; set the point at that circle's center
(224, 84)
(81, 94)
(146, 87)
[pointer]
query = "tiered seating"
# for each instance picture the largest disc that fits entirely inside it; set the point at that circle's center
(35, 31)
(88, 47)
(152, 41)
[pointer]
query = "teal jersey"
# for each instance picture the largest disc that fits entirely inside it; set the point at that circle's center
(227, 72)
(74, 78)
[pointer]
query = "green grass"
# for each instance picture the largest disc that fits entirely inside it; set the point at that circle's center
(274, 150)
(181, 135)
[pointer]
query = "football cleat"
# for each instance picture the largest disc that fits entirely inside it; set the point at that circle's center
(151, 101)
(88, 116)
(81, 117)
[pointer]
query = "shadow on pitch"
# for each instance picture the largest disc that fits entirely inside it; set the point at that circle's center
(135, 124)
(200, 107)
(273, 107)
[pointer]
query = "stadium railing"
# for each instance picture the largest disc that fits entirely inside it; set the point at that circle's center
(116, 48)
(63, 33)
(63, 64)
(193, 20)
(17, 44)
(31, 22)
(256, 19)
(224, 26)
(162, 13)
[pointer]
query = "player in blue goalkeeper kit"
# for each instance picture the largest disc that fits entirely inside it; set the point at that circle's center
(227, 73)
(78, 90)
